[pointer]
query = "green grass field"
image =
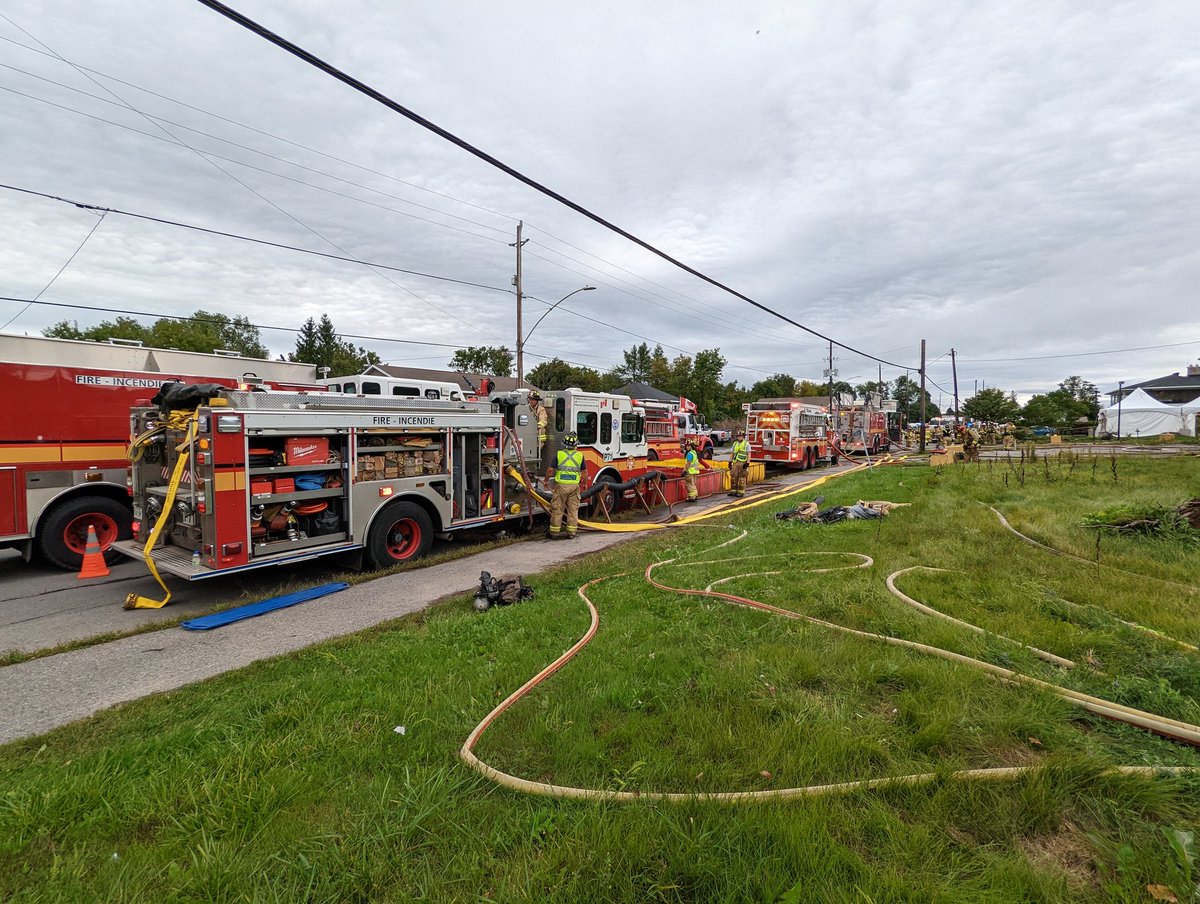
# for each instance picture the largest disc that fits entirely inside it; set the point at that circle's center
(287, 781)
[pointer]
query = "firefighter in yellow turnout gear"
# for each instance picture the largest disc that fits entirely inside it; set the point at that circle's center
(691, 468)
(739, 464)
(566, 474)
(543, 421)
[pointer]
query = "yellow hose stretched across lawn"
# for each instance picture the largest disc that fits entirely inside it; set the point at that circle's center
(717, 511)
(1170, 728)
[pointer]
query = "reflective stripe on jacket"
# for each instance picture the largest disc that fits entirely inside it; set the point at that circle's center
(741, 450)
(693, 462)
(568, 467)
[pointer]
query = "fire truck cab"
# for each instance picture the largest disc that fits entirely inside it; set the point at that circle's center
(273, 478)
(788, 432)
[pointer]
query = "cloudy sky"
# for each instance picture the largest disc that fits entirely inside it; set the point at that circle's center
(1017, 180)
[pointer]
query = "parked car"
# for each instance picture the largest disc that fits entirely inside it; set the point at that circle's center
(721, 436)
(1042, 431)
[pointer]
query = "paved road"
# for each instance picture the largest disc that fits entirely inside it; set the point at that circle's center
(42, 606)
(44, 693)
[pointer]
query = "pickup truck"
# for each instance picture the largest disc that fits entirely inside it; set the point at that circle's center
(720, 436)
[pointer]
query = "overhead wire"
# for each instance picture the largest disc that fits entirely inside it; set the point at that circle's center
(240, 182)
(60, 272)
(304, 55)
(256, 130)
(631, 289)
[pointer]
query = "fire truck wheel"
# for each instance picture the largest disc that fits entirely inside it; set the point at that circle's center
(401, 532)
(62, 537)
(651, 455)
(607, 498)
(707, 451)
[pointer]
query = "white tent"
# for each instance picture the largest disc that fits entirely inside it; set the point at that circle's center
(1143, 415)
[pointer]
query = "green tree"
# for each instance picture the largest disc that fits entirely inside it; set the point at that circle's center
(991, 405)
(1058, 408)
(778, 386)
(1084, 392)
(660, 369)
(495, 360)
(636, 368)
(557, 374)
(319, 343)
(862, 390)
(704, 381)
(807, 389)
(907, 393)
(204, 331)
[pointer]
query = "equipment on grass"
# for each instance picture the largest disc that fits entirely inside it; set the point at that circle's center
(502, 590)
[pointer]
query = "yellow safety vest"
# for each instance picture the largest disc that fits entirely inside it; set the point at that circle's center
(568, 467)
(741, 450)
(693, 462)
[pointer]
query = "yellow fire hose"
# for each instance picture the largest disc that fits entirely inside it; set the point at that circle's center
(1167, 727)
(716, 511)
(177, 420)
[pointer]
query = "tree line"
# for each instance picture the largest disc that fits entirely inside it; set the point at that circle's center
(697, 377)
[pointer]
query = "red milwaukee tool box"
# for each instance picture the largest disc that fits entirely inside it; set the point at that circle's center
(306, 450)
(285, 485)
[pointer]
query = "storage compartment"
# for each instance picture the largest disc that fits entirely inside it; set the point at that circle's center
(301, 450)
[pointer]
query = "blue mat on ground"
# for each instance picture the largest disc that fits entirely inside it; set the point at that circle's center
(217, 619)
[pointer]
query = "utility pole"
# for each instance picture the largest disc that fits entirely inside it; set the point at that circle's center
(954, 371)
(922, 446)
(831, 376)
(517, 283)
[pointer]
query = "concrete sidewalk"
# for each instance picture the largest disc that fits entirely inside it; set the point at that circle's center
(45, 693)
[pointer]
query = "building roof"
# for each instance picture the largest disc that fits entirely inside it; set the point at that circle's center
(646, 391)
(1177, 387)
(1171, 381)
(501, 384)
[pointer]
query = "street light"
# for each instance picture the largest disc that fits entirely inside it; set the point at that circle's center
(1120, 396)
(521, 339)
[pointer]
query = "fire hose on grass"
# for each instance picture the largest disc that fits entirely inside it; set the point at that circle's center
(1167, 727)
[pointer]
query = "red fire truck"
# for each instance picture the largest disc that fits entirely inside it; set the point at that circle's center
(788, 432)
(669, 426)
(862, 429)
(258, 479)
(64, 430)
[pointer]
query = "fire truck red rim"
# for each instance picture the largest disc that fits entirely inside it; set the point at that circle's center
(403, 538)
(75, 533)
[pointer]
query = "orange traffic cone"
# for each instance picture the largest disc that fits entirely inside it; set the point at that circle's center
(94, 565)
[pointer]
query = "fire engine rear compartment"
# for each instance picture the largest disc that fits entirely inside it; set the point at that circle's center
(272, 479)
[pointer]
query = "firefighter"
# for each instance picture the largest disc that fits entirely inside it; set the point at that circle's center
(691, 461)
(971, 444)
(543, 420)
(566, 489)
(739, 463)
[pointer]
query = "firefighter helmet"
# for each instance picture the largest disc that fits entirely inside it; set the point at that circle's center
(534, 395)
(570, 440)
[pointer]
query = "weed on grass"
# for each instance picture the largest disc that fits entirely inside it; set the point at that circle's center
(288, 780)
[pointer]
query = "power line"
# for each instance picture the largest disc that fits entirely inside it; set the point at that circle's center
(257, 326)
(60, 272)
(295, 219)
(247, 127)
(396, 107)
(246, 238)
(1111, 351)
(632, 290)
(177, 143)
